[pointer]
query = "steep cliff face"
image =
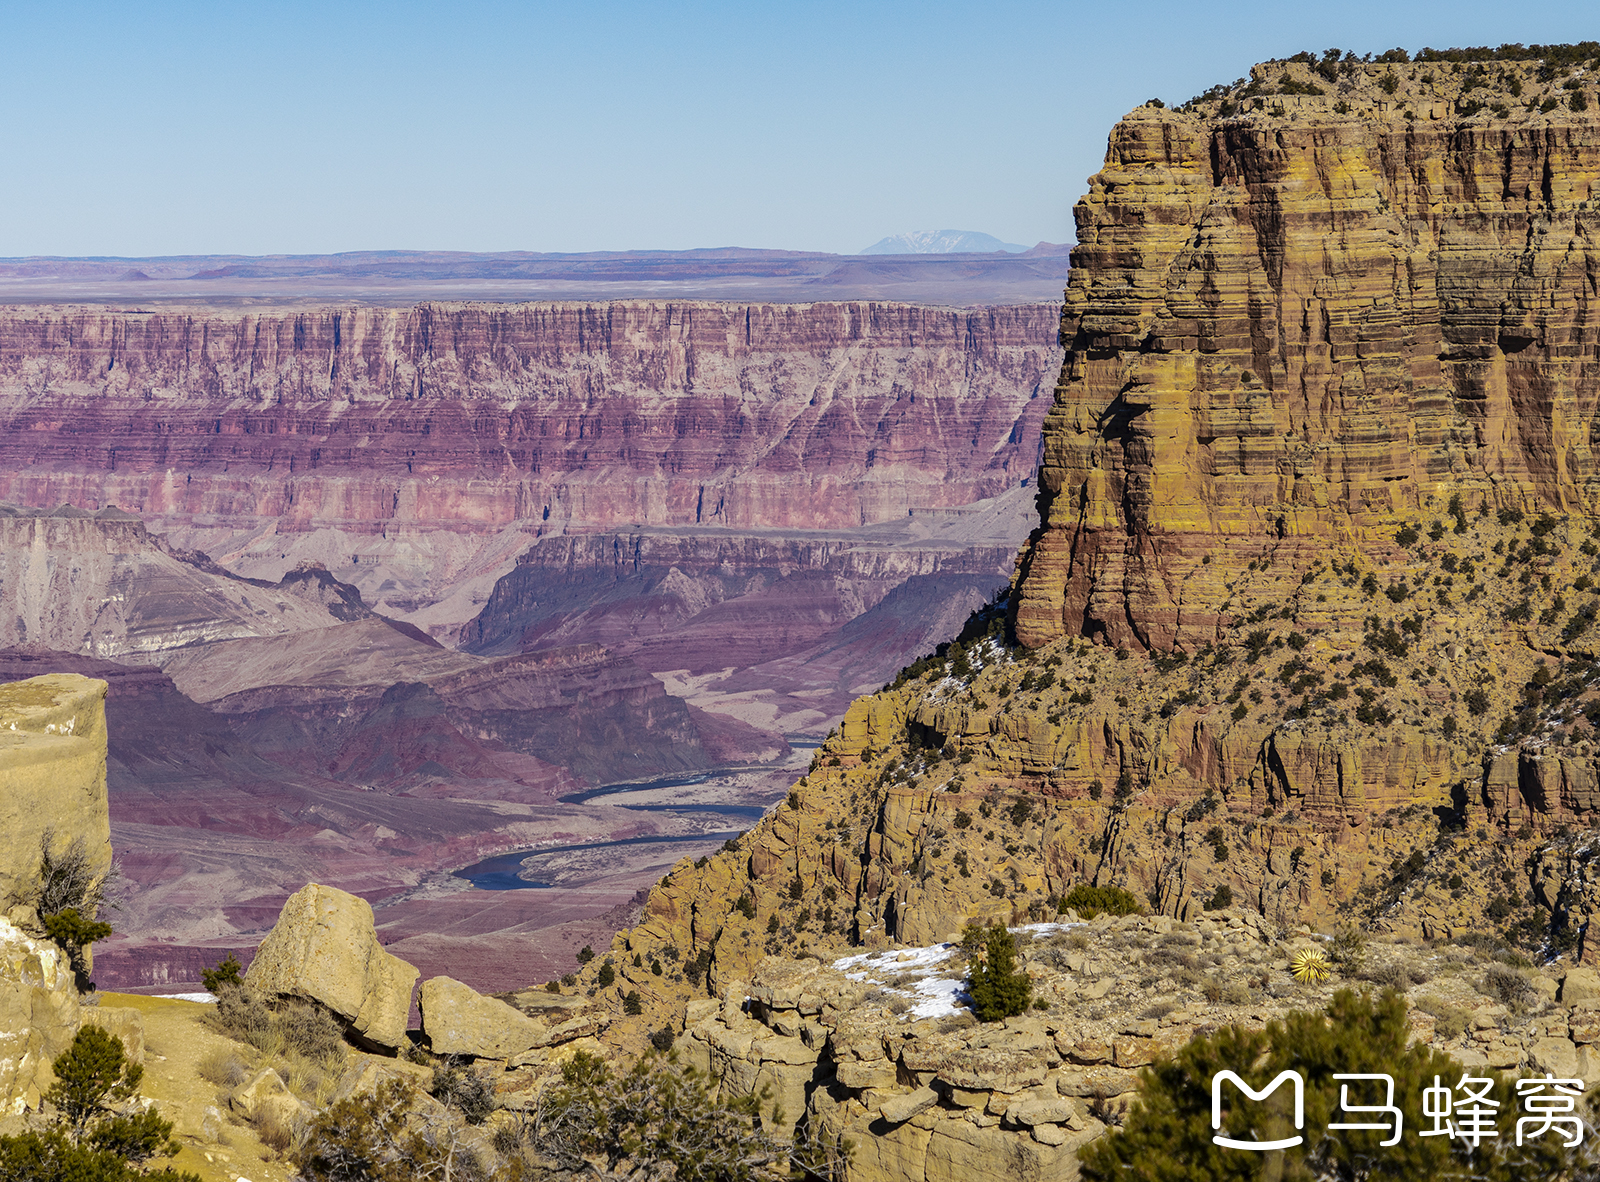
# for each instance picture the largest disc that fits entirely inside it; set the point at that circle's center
(1293, 318)
(416, 435)
(1308, 623)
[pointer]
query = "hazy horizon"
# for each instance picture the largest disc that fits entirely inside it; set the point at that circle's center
(288, 129)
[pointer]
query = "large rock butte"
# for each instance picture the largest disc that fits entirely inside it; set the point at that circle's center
(1288, 323)
(52, 776)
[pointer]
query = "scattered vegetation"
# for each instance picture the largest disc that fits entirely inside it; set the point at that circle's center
(1090, 901)
(659, 1120)
(96, 1129)
(1356, 1034)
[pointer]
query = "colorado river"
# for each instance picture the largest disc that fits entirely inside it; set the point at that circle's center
(501, 872)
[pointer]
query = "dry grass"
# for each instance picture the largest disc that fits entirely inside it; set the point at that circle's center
(299, 1039)
(223, 1068)
(274, 1132)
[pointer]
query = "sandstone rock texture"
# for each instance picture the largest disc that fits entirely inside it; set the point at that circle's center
(411, 439)
(1345, 675)
(52, 777)
(39, 1014)
(1292, 319)
(944, 1097)
(324, 948)
(459, 1020)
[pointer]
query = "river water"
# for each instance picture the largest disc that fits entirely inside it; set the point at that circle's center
(502, 872)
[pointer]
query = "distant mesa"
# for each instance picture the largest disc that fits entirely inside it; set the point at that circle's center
(943, 242)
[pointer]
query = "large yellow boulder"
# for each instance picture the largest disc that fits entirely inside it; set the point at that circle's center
(324, 947)
(459, 1020)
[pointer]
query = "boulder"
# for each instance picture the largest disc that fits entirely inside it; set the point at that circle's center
(1579, 985)
(902, 1108)
(1042, 1112)
(459, 1020)
(39, 1014)
(1096, 1081)
(324, 947)
(266, 1097)
(125, 1022)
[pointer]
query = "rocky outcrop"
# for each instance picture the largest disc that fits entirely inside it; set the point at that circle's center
(1293, 318)
(39, 1014)
(1331, 555)
(324, 948)
(845, 1051)
(52, 778)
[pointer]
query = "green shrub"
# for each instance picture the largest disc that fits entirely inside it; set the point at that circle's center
(73, 933)
(633, 1003)
(1089, 901)
(1350, 949)
(606, 977)
(1222, 897)
(226, 975)
(1168, 1135)
(999, 989)
(99, 1133)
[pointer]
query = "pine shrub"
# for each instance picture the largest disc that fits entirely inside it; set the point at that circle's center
(999, 989)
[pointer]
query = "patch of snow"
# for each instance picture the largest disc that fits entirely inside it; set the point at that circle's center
(941, 997)
(933, 996)
(1040, 930)
(203, 998)
(907, 960)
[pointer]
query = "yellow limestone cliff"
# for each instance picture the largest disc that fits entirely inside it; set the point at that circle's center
(52, 792)
(1294, 318)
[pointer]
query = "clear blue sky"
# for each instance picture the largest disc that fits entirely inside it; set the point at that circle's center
(272, 127)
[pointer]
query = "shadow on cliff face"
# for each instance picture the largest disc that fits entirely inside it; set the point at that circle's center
(788, 630)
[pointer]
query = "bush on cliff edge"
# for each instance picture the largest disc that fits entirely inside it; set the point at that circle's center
(97, 1130)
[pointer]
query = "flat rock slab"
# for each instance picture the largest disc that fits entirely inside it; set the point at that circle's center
(458, 1020)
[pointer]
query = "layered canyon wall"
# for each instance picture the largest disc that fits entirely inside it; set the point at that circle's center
(393, 445)
(1289, 324)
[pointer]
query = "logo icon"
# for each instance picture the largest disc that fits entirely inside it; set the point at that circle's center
(1293, 1077)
